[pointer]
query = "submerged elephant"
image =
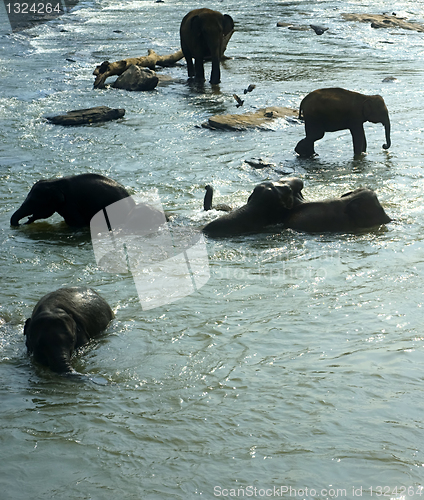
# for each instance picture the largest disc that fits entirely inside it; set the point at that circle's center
(202, 35)
(76, 198)
(358, 209)
(61, 322)
(270, 203)
(328, 110)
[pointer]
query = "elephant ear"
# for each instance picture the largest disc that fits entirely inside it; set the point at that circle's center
(296, 186)
(372, 108)
(46, 192)
(367, 107)
(272, 196)
(56, 195)
(258, 194)
(26, 326)
(228, 24)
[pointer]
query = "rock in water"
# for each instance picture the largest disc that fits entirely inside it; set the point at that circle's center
(89, 115)
(136, 78)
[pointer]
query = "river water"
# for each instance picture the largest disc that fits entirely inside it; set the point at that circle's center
(299, 364)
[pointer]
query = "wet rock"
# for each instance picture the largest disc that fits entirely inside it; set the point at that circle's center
(299, 28)
(390, 79)
(385, 21)
(86, 116)
(259, 163)
(258, 119)
(136, 78)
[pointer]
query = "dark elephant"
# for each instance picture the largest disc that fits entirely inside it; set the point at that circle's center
(61, 322)
(270, 203)
(202, 35)
(76, 198)
(328, 110)
(208, 201)
(358, 209)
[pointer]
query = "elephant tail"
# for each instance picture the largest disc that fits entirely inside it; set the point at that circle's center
(300, 117)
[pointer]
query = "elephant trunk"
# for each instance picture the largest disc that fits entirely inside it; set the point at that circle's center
(60, 363)
(207, 202)
(18, 215)
(216, 71)
(387, 129)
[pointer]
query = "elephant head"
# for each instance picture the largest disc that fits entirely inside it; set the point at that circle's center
(269, 203)
(364, 209)
(374, 110)
(44, 199)
(212, 29)
(63, 321)
(51, 337)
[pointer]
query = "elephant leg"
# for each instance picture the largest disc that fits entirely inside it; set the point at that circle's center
(200, 70)
(359, 140)
(216, 71)
(189, 59)
(190, 68)
(305, 148)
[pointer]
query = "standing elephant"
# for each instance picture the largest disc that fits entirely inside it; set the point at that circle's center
(270, 203)
(76, 198)
(61, 322)
(328, 110)
(358, 209)
(202, 35)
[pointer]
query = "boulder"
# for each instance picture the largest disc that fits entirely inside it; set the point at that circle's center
(258, 119)
(136, 78)
(85, 116)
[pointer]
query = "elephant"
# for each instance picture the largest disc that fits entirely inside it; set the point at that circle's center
(61, 322)
(207, 201)
(270, 203)
(331, 109)
(202, 35)
(358, 209)
(76, 198)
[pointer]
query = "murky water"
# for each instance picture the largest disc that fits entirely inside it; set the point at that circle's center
(300, 363)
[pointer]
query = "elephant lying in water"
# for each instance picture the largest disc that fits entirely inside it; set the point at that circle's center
(76, 198)
(282, 203)
(61, 322)
(269, 204)
(358, 209)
